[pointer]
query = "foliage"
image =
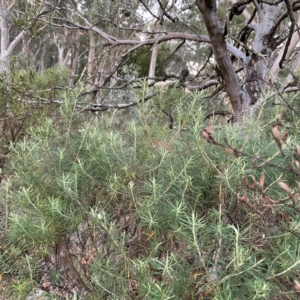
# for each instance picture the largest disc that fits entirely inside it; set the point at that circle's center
(149, 212)
(165, 200)
(139, 61)
(24, 94)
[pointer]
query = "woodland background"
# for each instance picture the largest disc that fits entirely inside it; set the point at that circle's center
(149, 149)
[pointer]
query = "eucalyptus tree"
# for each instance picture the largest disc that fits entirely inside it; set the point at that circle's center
(19, 22)
(249, 40)
(7, 43)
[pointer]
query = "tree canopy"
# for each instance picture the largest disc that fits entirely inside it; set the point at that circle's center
(236, 47)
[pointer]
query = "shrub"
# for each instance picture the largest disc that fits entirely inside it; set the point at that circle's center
(149, 212)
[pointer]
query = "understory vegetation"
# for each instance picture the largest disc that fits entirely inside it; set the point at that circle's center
(204, 210)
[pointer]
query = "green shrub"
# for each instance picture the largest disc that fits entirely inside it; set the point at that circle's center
(149, 212)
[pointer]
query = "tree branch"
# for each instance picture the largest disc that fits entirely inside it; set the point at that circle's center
(232, 87)
(291, 32)
(165, 12)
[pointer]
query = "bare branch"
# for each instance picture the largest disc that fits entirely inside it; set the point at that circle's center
(165, 12)
(202, 86)
(13, 44)
(239, 153)
(270, 2)
(257, 7)
(245, 12)
(219, 113)
(291, 31)
(11, 5)
(147, 8)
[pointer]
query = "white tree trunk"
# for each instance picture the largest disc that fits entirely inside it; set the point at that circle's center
(74, 66)
(153, 61)
(152, 67)
(42, 60)
(91, 57)
(256, 65)
(7, 48)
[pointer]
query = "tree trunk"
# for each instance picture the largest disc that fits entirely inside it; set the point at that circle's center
(60, 49)
(152, 67)
(255, 65)
(153, 61)
(42, 60)
(63, 56)
(91, 66)
(7, 47)
(4, 27)
(239, 100)
(74, 66)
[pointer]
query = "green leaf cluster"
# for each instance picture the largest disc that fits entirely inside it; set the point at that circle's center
(148, 212)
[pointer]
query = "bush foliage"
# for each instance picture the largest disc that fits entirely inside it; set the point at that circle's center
(149, 212)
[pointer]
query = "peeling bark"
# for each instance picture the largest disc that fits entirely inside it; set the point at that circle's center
(256, 67)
